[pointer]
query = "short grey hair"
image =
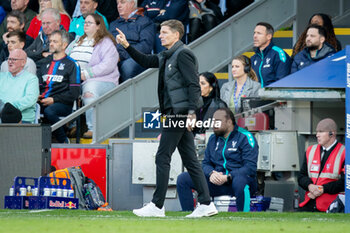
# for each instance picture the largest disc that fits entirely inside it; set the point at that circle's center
(64, 35)
(135, 2)
(54, 12)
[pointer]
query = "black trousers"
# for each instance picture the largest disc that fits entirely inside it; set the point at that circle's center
(181, 138)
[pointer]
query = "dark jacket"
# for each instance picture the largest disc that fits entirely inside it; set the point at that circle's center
(40, 45)
(303, 58)
(271, 64)
(207, 111)
(237, 154)
(60, 79)
(175, 9)
(139, 31)
(153, 7)
(178, 83)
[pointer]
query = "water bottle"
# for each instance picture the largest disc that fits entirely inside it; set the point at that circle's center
(59, 191)
(53, 191)
(65, 192)
(71, 193)
(296, 199)
(22, 191)
(47, 191)
(12, 191)
(29, 191)
(35, 191)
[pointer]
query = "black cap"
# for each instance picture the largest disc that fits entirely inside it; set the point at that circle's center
(10, 114)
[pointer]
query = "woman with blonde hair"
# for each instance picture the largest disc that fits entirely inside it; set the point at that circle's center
(244, 84)
(35, 24)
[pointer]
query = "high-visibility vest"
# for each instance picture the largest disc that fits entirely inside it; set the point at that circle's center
(331, 172)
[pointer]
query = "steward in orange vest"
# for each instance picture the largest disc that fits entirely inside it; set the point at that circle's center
(322, 174)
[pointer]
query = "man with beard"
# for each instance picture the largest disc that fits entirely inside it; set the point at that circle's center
(86, 7)
(316, 48)
(229, 164)
(19, 5)
(15, 22)
(59, 80)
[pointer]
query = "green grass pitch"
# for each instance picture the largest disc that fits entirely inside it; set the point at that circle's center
(77, 221)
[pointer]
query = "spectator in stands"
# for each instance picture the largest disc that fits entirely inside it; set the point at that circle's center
(269, 62)
(174, 10)
(15, 22)
(19, 5)
(204, 16)
(10, 114)
(107, 8)
(210, 93)
(244, 84)
(322, 173)
(229, 164)
(16, 40)
(139, 31)
(35, 25)
(86, 7)
(324, 21)
(178, 75)
(98, 58)
(59, 82)
(19, 87)
(153, 8)
(316, 48)
(39, 49)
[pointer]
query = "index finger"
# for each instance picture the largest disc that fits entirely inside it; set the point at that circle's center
(120, 32)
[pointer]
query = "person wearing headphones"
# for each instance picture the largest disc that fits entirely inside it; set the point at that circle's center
(322, 173)
(244, 84)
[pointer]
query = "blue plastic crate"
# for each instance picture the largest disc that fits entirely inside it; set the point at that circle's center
(16, 201)
(40, 201)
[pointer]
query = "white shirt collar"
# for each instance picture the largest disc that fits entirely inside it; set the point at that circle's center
(328, 148)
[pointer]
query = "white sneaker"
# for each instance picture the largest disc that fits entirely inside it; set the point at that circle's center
(150, 210)
(203, 211)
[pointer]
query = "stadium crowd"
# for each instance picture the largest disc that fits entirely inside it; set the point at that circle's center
(53, 51)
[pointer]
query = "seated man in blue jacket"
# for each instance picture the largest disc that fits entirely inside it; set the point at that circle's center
(316, 48)
(269, 62)
(229, 164)
(140, 32)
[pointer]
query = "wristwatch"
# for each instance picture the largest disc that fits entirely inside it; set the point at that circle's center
(229, 178)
